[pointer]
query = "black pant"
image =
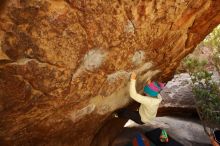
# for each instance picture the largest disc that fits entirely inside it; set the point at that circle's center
(128, 114)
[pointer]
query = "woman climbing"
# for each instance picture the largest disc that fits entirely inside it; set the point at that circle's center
(149, 102)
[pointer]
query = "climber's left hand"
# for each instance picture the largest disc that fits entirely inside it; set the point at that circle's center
(133, 76)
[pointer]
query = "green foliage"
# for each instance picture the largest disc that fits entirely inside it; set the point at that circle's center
(194, 65)
(216, 60)
(206, 91)
(213, 41)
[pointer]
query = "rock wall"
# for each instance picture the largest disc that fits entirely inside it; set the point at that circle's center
(65, 64)
(178, 98)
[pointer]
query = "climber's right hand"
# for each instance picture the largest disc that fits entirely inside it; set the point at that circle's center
(133, 76)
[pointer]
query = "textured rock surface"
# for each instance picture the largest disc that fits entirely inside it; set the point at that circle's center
(187, 131)
(65, 64)
(178, 97)
(179, 91)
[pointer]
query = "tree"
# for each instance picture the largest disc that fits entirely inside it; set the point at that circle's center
(206, 91)
(213, 41)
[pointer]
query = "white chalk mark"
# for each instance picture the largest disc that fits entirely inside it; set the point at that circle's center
(94, 59)
(138, 57)
(119, 74)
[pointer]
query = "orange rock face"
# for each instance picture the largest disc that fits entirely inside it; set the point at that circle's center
(65, 64)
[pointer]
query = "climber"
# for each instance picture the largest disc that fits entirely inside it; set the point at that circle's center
(149, 102)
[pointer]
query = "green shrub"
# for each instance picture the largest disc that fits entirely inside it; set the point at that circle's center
(206, 91)
(213, 41)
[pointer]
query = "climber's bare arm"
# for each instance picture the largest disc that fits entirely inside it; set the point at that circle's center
(133, 93)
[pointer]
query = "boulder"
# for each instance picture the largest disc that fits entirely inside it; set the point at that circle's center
(65, 64)
(178, 98)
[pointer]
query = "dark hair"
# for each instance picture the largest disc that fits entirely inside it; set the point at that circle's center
(156, 78)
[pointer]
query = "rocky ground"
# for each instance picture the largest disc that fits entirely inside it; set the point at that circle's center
(188, 132)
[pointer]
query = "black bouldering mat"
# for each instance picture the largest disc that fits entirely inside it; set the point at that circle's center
(154, 136)
(217, 136)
